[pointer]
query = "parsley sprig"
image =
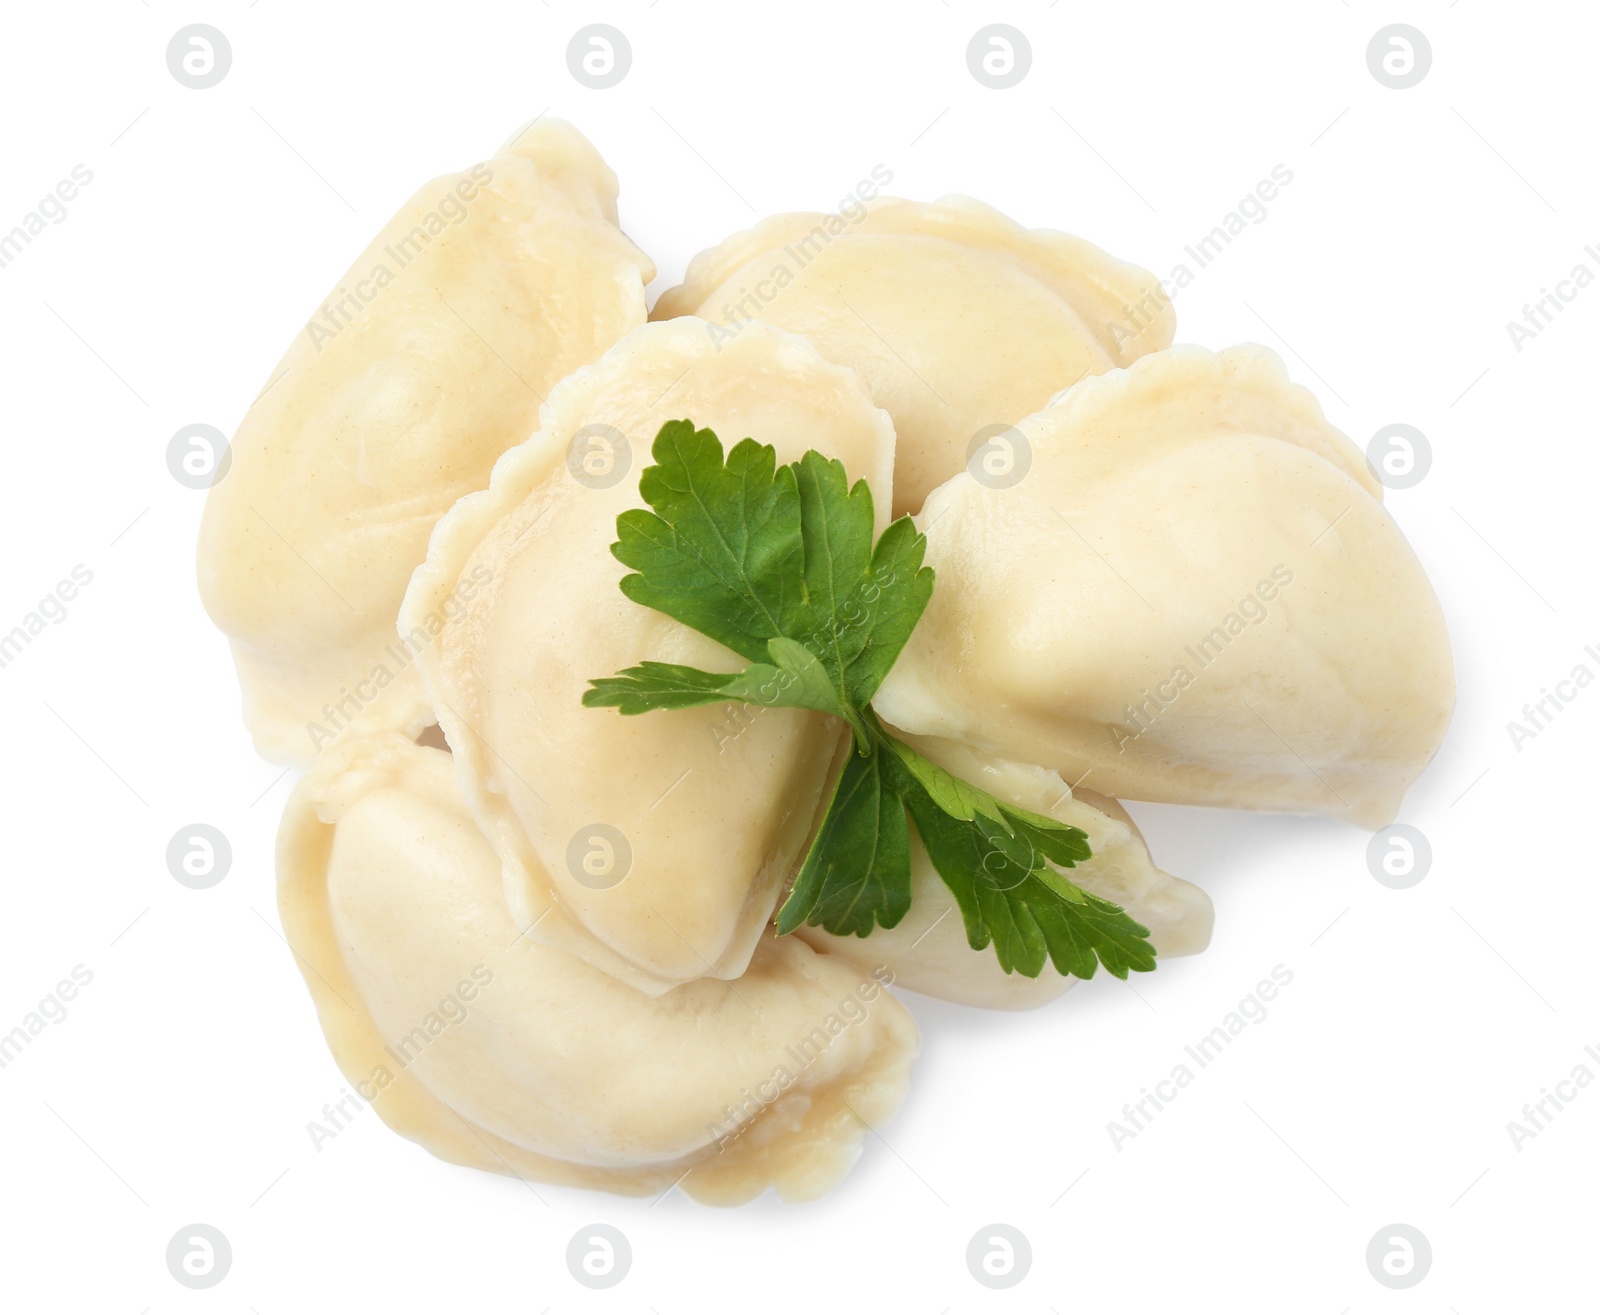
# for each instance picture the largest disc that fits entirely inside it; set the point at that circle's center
(778, 563)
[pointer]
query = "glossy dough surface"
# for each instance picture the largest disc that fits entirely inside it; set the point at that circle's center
(1194, 596)
(703, 812)
(539, 937)
(429, 360)
(957, 318)
(504, 1054)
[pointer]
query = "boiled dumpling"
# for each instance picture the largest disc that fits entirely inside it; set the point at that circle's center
(1194, 596)
(958, 319)
(426, 362)
(928, 951)
(664, 839)
(495, 1051)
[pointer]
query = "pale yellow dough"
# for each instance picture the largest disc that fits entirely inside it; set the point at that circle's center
(540, 942)
(714, 806)
(957, 318)
(1194, 596)
(497, 1052)
(432, 358)
(928, 951)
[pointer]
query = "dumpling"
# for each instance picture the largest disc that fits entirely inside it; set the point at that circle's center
(664, 840)
(427, 361)
(1194, 596)
(958, 319)
(497, 1052)
(928, 951)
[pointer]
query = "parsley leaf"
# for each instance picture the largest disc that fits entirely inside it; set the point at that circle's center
(778, 563)
(653, 685)
(1061, 844)
(794, 679)
(857, 875)
(1009, 894)
(862, 603)
(752, 553)
(721, 551)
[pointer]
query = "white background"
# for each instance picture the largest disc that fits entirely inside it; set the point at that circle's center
(1419, 1022)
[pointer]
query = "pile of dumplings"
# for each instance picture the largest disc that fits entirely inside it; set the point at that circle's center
(538, 935)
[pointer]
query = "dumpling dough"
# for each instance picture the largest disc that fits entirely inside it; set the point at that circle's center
(928, 951)
(426, 362)
(957, 318)
(1194, 596)
(665, 839)
(494, 1051)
